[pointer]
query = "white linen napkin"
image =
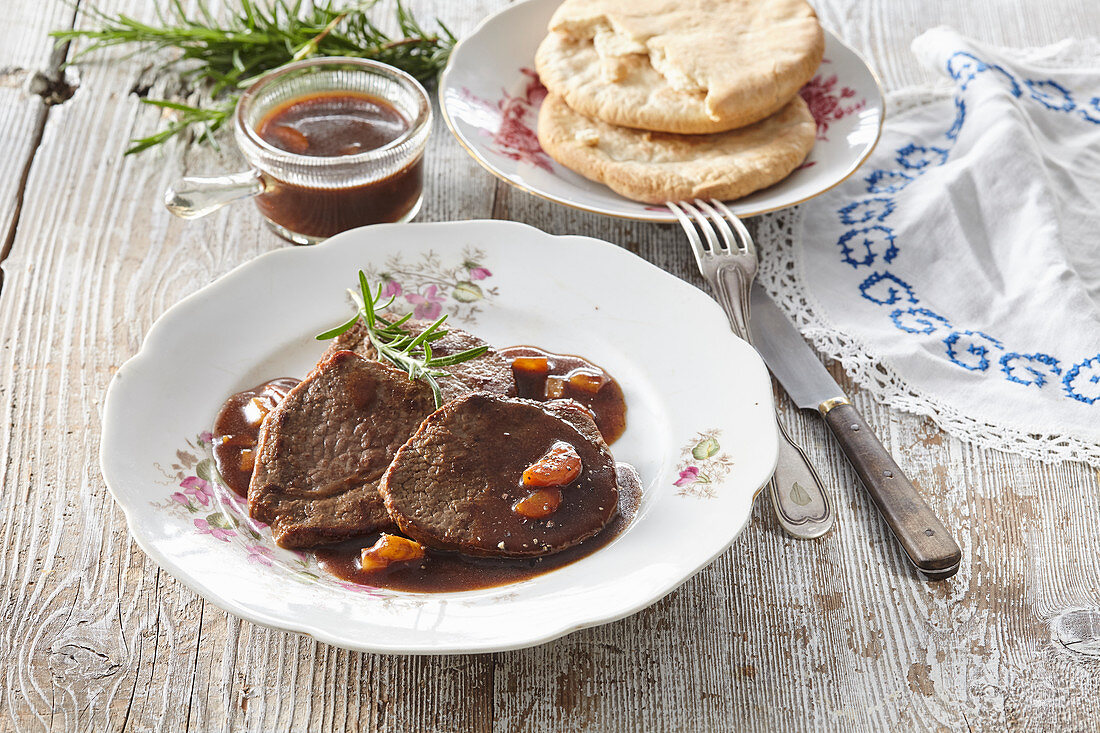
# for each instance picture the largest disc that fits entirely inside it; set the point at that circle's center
(957, 273)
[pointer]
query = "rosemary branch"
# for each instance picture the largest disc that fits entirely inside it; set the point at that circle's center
(223, 56)
(409, 352)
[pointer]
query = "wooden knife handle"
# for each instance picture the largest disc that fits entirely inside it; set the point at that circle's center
(925, 539)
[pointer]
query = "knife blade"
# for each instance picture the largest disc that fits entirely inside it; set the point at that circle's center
(925, 539)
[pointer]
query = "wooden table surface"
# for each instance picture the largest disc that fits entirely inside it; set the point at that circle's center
(776, 635)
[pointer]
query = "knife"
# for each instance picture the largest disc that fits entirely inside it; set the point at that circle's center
(925, 539)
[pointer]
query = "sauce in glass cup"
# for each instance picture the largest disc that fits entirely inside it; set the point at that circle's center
(333, 144)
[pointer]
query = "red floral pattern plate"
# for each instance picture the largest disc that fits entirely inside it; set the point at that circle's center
(490, 98)
(703, 441)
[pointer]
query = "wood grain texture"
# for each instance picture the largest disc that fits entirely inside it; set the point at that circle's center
(778, 634)
(30, 72)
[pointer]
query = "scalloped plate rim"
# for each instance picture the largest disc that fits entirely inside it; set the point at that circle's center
(164, 325)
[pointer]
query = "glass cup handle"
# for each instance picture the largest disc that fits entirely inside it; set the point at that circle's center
(190, 198)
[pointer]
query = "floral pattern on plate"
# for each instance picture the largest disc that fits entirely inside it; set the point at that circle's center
(431, 287)
(829, 104)
(199, 495)
(703, 465)
(515, 135)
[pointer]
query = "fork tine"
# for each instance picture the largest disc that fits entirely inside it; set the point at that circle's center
(738, 226)
(696, 243)
(731, 241)
(704, 226)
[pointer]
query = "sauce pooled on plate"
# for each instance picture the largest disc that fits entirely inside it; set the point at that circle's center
(543, 375)
(539, 375)
(237, 430)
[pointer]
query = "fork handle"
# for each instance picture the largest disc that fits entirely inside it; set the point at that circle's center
(798, 496)
(733, 295)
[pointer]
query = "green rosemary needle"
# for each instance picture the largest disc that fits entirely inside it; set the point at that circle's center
(409, 352)
(223, 54)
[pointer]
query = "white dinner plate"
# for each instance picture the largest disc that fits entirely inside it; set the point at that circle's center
(701, 429)
(490, 96)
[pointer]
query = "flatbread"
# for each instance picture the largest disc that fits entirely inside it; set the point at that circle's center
(655, 167)
(685, 66)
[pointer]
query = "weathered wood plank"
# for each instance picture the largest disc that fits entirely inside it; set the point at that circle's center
(862, 642)
(777, 634)
(95, 635)
(29, 77)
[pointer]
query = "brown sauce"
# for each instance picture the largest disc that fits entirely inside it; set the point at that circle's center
(333, 124)
(607, 404)
(328, 124)
(236, 432)
(443, 572)
(237, 429)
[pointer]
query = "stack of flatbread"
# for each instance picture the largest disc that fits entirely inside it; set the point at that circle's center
(665, 100)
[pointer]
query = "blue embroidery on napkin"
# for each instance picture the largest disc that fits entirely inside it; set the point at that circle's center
(1032, 376)
(861, 212)
(1078, 379)
(1092, 107)
(969, 349)
(883, 181)
(964, 68)
(917, 157)
(960, 117)
(927, 321)
(1014, 87)
(970, 343)
(1051, 95)
(873, 238)
(892, 294)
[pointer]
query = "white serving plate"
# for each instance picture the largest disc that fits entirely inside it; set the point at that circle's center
(490, 96)
(689, 385)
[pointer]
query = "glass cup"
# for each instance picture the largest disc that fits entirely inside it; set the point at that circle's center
(307, 198)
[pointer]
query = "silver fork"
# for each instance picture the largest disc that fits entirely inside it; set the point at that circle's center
(726, 256)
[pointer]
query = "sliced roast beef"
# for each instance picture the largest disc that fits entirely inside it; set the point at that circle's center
(489, 372)
(324, 448)
(457, 483)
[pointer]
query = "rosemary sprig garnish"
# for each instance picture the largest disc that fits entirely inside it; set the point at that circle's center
(209, 119)
(222, 57)
(409, 352)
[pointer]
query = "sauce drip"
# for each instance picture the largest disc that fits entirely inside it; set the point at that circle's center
(442, 572)
(607, 404)
(328, 124)
(237, 429)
